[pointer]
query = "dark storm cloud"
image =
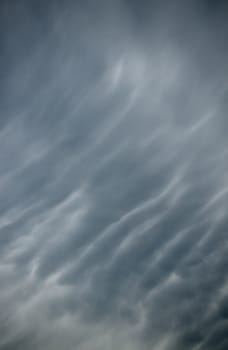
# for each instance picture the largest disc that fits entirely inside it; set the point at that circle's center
(113, 177)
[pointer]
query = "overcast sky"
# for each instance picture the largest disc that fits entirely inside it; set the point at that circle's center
(113, 175)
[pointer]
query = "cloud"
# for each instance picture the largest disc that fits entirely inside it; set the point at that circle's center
(113, 138)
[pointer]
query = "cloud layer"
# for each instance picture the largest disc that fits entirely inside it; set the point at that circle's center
(113, 177)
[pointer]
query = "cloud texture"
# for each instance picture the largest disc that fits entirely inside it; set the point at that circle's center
(113, 176)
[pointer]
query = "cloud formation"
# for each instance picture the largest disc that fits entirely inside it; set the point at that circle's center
(113, 177)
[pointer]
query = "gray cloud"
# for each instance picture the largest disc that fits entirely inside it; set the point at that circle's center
(113, 225)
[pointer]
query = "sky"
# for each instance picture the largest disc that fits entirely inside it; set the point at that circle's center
(113, 175)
